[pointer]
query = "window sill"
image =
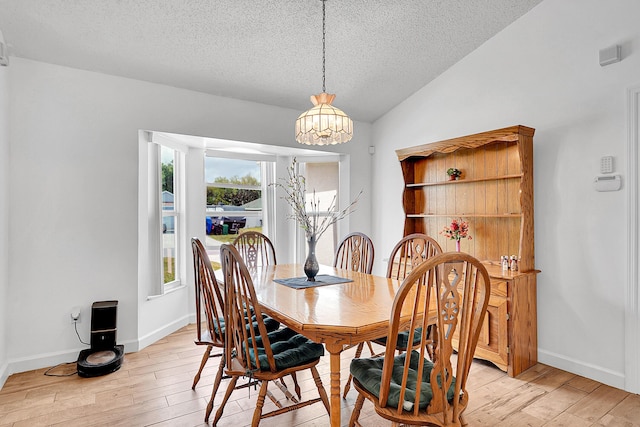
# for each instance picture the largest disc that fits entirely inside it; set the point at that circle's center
(169, 289)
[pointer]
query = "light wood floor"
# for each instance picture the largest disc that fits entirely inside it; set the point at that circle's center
(153, 387)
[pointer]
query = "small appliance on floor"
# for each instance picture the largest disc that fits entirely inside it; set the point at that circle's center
(104, 356)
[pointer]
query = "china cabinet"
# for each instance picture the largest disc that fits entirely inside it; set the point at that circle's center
(494, 195)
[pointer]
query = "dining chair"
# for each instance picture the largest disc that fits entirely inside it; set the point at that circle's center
(256, 249)
(356, 253)
(409, 252)
(255, 352)
(454, 289)
(210, 302)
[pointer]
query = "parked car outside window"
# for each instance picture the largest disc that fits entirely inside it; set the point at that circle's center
(224, 224)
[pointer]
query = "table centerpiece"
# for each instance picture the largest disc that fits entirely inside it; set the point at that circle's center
(306, 211)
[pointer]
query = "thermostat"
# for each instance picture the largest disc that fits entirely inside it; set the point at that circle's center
(606, 164)
(607, 183)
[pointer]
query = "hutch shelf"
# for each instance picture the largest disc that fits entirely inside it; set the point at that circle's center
(495, 196)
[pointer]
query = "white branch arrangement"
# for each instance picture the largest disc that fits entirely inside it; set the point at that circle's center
(295, 190)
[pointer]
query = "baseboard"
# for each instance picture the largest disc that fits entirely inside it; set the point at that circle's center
(42, 360)
(162, 332)
(4, 374)
(578, 367)
(45, 360)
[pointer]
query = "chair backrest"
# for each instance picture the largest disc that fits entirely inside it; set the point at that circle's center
(209, 296)
(454, 288)
(409, 252)
(243, 335)
(256, 249)
(355, 253)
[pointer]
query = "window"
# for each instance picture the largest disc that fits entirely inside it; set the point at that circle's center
(214, 190)
(161, 215)
(168, 197)
(324, 179)
(236, 197)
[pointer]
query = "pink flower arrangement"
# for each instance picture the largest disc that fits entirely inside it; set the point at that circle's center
(458, 229)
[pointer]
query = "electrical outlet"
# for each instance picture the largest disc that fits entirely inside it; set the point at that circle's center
(75, 315)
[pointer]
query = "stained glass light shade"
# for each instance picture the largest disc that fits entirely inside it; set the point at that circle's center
(323, 124)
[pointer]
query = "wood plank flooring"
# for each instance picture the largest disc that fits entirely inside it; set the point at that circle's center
(153, 388)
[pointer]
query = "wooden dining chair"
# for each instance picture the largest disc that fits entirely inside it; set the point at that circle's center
(210, 303)
(255, 352)
(409, 252)
(356, 253)
(256, 249)
(452, 290)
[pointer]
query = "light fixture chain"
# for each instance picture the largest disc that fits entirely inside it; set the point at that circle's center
(324, 33)
(323, 124)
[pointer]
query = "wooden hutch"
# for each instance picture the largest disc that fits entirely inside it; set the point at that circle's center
(494, 195)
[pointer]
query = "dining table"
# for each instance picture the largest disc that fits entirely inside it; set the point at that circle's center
(338, 315)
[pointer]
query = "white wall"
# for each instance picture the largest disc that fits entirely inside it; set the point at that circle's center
(4, 217)
(543, 72)
(74, 199)
(73, 150)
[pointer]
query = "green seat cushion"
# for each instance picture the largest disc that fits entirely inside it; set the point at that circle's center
(269, 323)
(289, 349)
(368, 372)
(403, 339)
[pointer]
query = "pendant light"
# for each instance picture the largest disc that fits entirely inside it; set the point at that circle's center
(323, 124)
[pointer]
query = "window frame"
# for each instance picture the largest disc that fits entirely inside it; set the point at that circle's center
(178, 213)
(266, 178)
(343, 199)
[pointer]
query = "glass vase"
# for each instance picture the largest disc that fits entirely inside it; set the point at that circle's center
(457, 245)
(311, 266)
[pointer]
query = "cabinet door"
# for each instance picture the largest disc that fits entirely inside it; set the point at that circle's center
(493, 341)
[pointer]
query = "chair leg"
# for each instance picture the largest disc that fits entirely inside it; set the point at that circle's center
(355, 414)
(216, 383)
(463, 422)
(373, 353)
(347, 386)
(230, 387)
(203, 362)
(296, 386)
(283, 388)
(274, 400)
(257, 414)
(321, 390)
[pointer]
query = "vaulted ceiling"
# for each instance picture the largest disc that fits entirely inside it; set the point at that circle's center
(378, 52)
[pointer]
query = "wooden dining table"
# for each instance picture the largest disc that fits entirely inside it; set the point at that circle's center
(337, 315)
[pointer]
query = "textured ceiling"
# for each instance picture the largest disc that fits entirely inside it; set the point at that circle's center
(378, 51)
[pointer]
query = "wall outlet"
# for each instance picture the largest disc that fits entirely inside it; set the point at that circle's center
(75, 314)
